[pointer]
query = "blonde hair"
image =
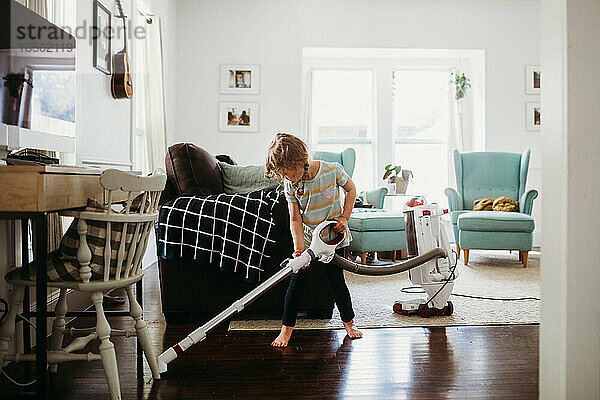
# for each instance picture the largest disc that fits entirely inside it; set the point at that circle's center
(285, 152)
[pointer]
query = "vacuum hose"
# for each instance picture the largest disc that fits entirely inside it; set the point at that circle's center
(388, 269)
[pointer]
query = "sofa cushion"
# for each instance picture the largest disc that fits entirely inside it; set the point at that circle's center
(193, 171)
(245, 179)
(495, 221)
(373, 220)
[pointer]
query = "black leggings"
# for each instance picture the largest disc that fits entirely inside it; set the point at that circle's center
(341, 294)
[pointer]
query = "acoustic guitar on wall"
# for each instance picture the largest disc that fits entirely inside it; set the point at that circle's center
(121, 84)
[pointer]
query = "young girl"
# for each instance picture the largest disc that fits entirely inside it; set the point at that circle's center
(312, 191)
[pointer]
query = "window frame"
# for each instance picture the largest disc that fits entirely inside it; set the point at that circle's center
(383, 62)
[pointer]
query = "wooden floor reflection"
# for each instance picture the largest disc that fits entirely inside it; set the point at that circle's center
(495, 362)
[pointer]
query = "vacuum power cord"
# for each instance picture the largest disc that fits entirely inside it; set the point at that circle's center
(419, 290)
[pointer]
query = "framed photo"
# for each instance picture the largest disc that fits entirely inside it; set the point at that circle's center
(533, 79)
(102, 38)
(240, 79)
(238, 117)
(534, 117)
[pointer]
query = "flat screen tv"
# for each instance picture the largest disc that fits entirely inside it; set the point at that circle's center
(37, 72)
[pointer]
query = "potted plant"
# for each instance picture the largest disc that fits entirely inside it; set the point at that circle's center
(397, 177)
(14, 83)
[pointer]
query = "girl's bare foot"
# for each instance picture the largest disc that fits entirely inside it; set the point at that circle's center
(352, 331)
(284, 337)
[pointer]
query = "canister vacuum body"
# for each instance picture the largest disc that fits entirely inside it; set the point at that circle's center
(424, 232)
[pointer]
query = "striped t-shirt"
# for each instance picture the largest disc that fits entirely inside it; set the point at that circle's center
(321, 198)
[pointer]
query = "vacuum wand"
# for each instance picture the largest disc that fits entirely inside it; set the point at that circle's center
(289, 267)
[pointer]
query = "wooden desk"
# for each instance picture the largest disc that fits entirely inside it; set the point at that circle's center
(48, 188)
(30, 193)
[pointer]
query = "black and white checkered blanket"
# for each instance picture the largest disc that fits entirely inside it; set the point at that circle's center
(237, 231)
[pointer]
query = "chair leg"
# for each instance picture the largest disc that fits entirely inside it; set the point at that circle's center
(403, 254)
(58, 326)
(143, 335)
(524, 256)
(7, 329)
(363, 258)
(466, 260)
(458, 251)
(107, 349)
(520, 256)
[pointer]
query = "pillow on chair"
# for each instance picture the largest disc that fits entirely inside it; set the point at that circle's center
(500, 204)
(505, 204)
(483, 205)
(62, 263)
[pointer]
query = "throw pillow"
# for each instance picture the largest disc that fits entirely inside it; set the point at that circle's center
(483, 205)
(505, 204)
(239, 179)
(193, 171)
(62, 263)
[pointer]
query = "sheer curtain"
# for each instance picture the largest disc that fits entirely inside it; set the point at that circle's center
(39, 6)
(457, 137)
(306, 117)
(150, 143)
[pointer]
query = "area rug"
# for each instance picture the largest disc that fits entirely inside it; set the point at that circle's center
(489, 274)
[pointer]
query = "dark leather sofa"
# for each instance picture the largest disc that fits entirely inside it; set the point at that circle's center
(194, 292)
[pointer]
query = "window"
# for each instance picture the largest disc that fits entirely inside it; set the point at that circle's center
(421, 127)
(342, 116)
(53, 101)
(395, 106)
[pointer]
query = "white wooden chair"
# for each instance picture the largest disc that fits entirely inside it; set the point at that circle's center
(128, 271)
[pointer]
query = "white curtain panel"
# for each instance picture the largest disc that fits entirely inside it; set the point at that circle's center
(456, 139)
(154, 96)
(39, 6)
(306, 117)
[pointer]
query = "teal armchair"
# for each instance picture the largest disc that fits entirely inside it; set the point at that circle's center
(491, 175)
(347, 158)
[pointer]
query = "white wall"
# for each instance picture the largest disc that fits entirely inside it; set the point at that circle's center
(570, 315)
(273, 34)
(103, 123)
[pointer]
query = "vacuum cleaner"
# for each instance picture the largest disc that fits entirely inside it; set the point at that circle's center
(427, 245)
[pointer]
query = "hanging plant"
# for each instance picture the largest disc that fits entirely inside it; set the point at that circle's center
(461, 83)
(14, 83)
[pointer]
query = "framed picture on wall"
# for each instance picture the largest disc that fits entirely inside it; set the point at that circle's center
(533, 79)
(238, 117)
(101, 37)
(534, 117)
(240, 79)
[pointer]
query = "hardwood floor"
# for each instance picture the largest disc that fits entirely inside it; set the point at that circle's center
(494, 362)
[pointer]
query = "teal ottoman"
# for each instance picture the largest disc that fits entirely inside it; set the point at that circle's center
(376, 230)
(495, 230)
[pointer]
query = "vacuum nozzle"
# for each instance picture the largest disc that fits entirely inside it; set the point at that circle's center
(169, 355)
